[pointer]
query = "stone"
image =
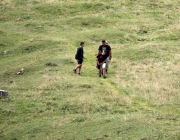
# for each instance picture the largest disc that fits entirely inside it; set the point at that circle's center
(3, 93)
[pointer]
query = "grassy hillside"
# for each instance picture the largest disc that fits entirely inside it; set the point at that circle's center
(139, 99)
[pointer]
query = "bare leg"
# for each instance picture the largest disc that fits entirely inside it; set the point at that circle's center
(107, 62)
(104, 70)
(80, 68)
(99, 72)
(77, 67)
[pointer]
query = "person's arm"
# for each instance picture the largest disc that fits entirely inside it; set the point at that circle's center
(110, 54)
(99, 50)
(104, 61)
(97, 60)
(78, 54)
(82, 53)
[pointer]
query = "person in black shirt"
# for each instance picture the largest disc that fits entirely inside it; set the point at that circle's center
(107, 48)
(101, 63)
(79, 57)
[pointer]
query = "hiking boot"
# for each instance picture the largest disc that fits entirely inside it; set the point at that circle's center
(74, 70)
(79, 74)
(104, 77)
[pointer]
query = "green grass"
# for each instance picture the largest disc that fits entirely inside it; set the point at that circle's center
(138, 100)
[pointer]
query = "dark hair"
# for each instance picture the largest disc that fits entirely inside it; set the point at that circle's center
(103, 41)
(81, 43)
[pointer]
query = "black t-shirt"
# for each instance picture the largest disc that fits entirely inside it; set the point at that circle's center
(101, 58)
(79, 53)
(107, 48)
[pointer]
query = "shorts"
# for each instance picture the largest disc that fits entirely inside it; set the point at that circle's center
(80, 61)
(103, 66)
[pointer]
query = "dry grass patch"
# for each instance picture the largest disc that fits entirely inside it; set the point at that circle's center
(153, 81)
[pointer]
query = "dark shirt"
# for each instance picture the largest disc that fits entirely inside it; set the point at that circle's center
(79, 53)
(107, 48)
(101, 58)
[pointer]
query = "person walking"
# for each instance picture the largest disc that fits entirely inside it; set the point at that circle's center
(107, 48)
(101, 63)
(79, 58)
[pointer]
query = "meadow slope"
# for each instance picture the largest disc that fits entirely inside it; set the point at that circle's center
(139, 99)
